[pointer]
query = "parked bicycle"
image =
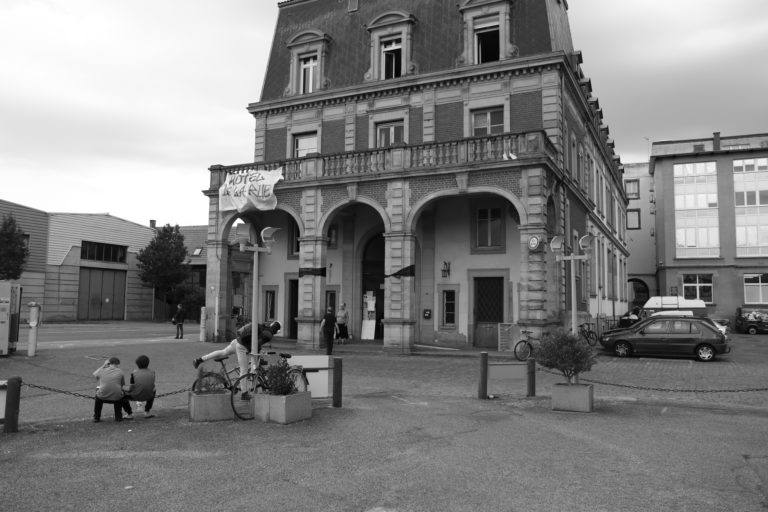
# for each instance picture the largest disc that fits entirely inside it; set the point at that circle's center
(242, 387)
(523, 348)
(586, 332)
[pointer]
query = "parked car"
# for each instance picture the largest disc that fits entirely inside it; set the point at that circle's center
(751, 320)
(668, 335)
(721, 326)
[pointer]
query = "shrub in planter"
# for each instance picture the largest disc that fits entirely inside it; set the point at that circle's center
(278, 380)
(283, 404)
(567, 353)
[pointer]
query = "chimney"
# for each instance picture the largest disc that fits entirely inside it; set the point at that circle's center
(716, 141)
(152, 223)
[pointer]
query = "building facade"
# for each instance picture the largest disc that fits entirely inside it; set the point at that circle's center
(82, 267)
(712, 220)
(641, 232)
(430, 151)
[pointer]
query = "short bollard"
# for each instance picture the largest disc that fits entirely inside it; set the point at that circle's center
(482, 388)
(9, 407)
(337, 382)
(531, 377)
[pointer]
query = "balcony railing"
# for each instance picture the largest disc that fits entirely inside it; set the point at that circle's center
(468, 152)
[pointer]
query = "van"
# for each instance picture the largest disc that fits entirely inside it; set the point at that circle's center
(673, 303)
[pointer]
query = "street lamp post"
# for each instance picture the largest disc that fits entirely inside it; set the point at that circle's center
(558, 246)
(267, 238)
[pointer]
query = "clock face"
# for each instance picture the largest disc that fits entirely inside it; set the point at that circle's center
(533, 242)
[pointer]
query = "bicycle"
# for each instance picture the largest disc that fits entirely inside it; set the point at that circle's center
(242, 387)
(523, 348)
(586, 332)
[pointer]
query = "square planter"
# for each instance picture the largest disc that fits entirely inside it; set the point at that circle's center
(572, 397)
(210, 407)
(283, 408)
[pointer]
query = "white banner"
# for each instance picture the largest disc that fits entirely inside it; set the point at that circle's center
(250, 190)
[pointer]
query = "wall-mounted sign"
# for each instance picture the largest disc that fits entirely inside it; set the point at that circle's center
(250, 190)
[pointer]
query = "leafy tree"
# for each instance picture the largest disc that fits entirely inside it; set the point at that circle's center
(13, 249)
(564, 351)
(161, 263)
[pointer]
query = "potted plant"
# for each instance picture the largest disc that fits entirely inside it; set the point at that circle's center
(281, 403)
(571, 355)
(209, 399)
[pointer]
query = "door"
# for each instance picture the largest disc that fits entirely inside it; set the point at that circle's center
(652, 339)
(488, 311)
(101, 295)
(293, 308)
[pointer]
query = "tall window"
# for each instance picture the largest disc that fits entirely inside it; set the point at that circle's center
(308, 65)
(293, 242)
(697, 286)
(489, 228)
(487, 122)
(448, 308)
(391, 58)
(632, 187)
(755, 288)
(633, 219)
(389, 134)
(487, 41)
(304, 144)
(750, 185)
(697, 232)
(269, 305)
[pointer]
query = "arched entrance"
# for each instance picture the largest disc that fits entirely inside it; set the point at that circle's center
(640, 292)
(372, 285)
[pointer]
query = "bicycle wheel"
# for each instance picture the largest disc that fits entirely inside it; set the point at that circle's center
(299, 379)
(209, 382)
(591, 337)
(242, 393)
(523, 350)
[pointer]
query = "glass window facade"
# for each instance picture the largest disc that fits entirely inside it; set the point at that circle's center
(750, 186)
(698, 286)
(756, 288)
(697, 226)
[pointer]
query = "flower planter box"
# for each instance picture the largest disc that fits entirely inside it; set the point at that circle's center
(283, 408)
(210, 407)
(572, 397)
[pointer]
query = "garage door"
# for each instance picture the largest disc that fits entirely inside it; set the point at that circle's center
(101, 295)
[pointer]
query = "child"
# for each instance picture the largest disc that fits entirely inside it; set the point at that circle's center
(110, 388)
(142, 387)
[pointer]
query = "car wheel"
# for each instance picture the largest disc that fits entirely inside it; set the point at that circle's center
(622, 349)
(705, 353)
(751, 329)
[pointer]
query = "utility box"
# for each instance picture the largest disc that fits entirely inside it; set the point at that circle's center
(10, 315)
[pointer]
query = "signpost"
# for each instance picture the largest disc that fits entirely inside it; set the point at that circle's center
(557, 245)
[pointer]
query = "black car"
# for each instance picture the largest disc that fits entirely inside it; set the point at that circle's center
(751, 320)
(668, 335)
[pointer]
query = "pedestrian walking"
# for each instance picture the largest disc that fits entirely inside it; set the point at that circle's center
(328, 330)
(342, 318)
(178, 321)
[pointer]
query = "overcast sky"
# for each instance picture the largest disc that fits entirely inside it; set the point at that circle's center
(120, 106)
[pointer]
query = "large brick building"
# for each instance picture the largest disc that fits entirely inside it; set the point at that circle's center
(430, 151)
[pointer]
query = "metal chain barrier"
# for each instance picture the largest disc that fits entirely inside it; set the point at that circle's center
(666, 390)
(91, 397)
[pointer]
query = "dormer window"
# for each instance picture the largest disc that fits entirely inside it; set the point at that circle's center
(486, 31)
(391, 48)
(308, 65)
(392, 58)
(486, 40)
(309, 51)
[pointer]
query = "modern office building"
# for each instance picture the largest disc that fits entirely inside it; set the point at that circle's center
(430, 152)
(712, 220)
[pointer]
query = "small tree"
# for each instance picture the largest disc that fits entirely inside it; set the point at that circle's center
(566, 352)
(161, 263)
(278, 379)
(13, 249)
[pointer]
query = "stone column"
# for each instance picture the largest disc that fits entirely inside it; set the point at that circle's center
(399, 292)
(312, 272)
(216, 290)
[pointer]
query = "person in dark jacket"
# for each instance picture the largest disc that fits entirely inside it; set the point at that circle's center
(141, 388)
(242, 345)
(178, 320)
(328, 329)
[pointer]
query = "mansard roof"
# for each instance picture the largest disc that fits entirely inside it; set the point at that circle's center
(537, 27)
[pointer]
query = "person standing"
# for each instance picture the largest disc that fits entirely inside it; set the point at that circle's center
(178, 319)
(342, 318)
(328, 330)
